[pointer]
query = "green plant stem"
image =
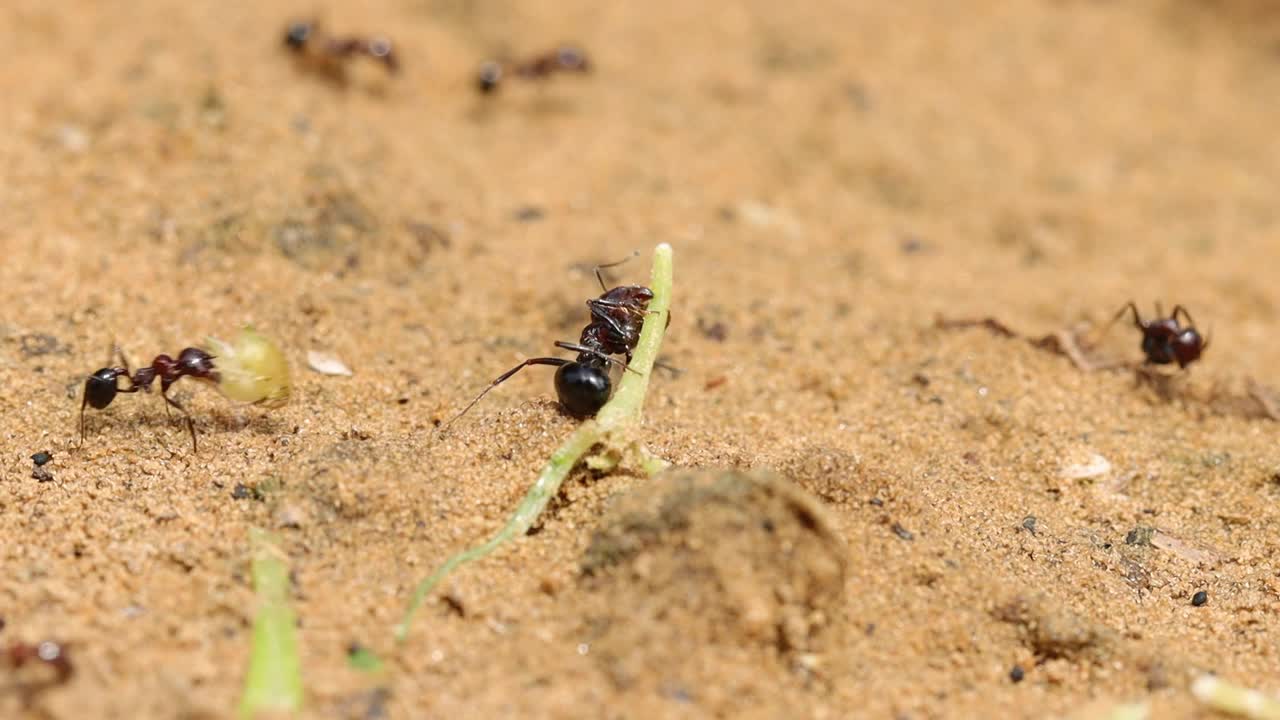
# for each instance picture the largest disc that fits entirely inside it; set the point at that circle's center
(274, 681)
(1232, 699)
(620, 413)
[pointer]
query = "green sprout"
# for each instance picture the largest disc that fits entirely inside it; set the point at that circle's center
(613, 427)
(273, 684)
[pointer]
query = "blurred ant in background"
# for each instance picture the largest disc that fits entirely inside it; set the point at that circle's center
(49, 653)
(101, 387)
(35, 668)
(1164, 339)
(329, 55)
(564, 59)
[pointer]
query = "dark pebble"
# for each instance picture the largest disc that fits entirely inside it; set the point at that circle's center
(1200, 598)
(41, 458)
(1016, 674)
(902, 532)
(241, 492)
(1029, 522)
(42, 475)
(529, 213)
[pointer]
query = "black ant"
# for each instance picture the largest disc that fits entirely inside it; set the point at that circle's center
(583, 385)
(563, 59)
(329, 54)
(101, 387)
(1164, 339)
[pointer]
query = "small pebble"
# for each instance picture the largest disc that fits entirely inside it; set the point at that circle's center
(902, 532)
(1200, 598)
(528, 213)
(41, 458)
(42, 475)
(1016, 674)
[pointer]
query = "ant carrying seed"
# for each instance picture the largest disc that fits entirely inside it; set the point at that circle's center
(583, 385)
(252, 369)
(1164, 339)
(330, 54)
(561, 60)
(101, 387)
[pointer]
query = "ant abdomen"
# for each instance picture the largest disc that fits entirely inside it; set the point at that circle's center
(100, 388)
(583, 388)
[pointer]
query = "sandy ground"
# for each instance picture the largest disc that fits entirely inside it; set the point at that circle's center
(832, 175)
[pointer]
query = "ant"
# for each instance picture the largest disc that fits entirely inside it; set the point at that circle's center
(1164, 340)
(583, 385)
(563, 59)
(101, 387)
(48, 652)
(329, 54)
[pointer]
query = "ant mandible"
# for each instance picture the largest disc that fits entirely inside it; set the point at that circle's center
(101, 387)
(583, 385)
(328, 52)
(1164, 339)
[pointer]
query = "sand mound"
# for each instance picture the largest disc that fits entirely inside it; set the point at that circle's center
(703, 573)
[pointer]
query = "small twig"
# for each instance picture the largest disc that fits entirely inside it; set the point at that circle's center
(613, 426)
(274, 681)
(1061, 342)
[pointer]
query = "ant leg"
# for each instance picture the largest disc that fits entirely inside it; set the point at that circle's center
(1185, 313)
(1137, 321)
(597, 353)
(669, 368)
(502, 378)
(83, 401)
(600, 278)
(191, 424)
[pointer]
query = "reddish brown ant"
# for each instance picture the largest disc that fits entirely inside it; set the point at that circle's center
(583, 385)
(563, 59)
(101, 387)
(329, 54)
(1164, 339)
(52, 654)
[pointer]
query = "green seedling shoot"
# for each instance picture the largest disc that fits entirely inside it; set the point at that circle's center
(273, 684)
(614, 428)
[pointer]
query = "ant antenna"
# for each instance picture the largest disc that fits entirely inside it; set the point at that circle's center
(600, 276)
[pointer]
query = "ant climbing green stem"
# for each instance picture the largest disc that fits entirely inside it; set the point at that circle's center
(613, 427)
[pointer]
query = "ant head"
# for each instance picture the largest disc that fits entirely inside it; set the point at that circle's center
(1187, 346)
(1158, 339)
(489, 76)
(583, 388)
(380, 49)
(100, 388)
(295, 38)
(197, 363)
